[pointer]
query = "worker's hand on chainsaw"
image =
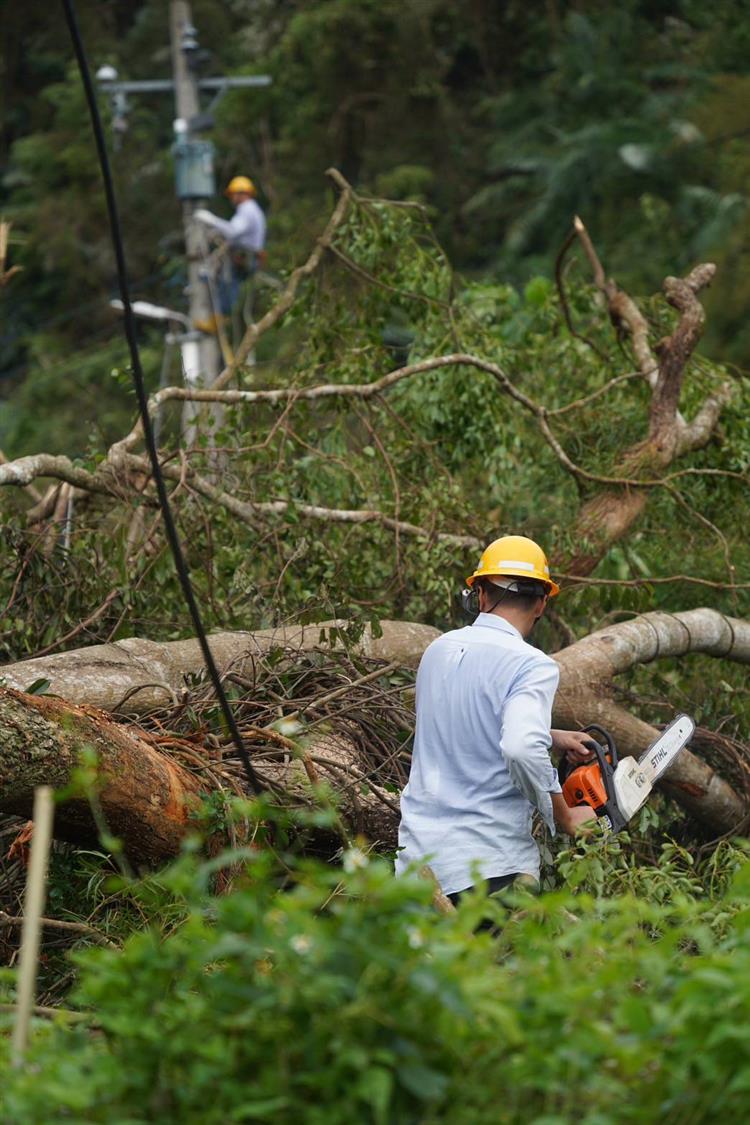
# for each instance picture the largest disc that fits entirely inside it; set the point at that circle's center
(572, 820)
(574, 744)
(581, 820)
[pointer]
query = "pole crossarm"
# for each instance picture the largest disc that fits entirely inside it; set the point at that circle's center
(166, 85)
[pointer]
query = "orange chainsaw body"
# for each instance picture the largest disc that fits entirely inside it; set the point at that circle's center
(585, 786)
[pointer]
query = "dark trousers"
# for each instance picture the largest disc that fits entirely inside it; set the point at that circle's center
(235, 270)
(493, 886)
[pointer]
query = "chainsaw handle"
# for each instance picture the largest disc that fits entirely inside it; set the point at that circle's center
(606, 768)
(608, 739)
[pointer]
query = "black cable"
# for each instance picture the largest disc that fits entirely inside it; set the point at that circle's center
(148, 433)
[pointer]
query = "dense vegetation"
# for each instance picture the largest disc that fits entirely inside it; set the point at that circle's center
(263, 985)
(348, 998)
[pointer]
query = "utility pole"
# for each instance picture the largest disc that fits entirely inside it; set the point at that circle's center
(201, 356)
(205, 358)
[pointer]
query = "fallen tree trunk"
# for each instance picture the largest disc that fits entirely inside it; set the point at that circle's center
(135, 675)
(146, 796)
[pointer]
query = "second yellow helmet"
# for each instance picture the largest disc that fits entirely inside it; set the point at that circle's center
(240, 184)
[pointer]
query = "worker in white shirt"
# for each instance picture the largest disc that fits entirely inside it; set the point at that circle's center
(245, 236)
(481, 762)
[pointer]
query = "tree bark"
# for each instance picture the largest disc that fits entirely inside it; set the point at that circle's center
(145, 798)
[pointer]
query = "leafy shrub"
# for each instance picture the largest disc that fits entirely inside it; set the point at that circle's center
(343, 997)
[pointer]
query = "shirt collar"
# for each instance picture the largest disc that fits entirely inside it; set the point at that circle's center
(492, 621)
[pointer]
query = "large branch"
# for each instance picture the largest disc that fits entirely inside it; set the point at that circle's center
(35, 495)
(608, 515)
(24, 470)
(665, 374)
(137, 675)
(678, 348)
(602, 520)
(277, 395)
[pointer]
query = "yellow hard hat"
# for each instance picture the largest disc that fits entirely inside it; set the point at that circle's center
(240, 183)
(517, 557)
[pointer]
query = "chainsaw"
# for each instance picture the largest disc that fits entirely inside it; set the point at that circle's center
(614, 787)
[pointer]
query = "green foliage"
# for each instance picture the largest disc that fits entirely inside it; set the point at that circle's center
(312, 994)
(447, 449)
(45, 413)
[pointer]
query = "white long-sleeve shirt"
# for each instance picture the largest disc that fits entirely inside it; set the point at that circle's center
(481, 759)
(246, 230)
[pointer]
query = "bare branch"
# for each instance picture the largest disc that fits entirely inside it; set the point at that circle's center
(60, 924)
(622, 309)
(57, 519)
(573, 580)
(339, 390)
(46, 504)
(666, 424)
(80, 627)
(579, 403)
(677, 349)
(560, 282)
(24, 470)
(249, 511)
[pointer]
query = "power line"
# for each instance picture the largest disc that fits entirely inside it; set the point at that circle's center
(137, 372)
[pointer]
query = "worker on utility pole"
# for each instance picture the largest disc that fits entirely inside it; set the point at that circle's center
(245, 239)
(481, 762)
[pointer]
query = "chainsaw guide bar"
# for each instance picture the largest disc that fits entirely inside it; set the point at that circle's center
(635, 780)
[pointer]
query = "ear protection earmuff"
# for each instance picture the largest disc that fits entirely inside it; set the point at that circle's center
(470, 601)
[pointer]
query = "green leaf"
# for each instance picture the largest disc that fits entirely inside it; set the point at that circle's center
(423, 1082)
(38, 687)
